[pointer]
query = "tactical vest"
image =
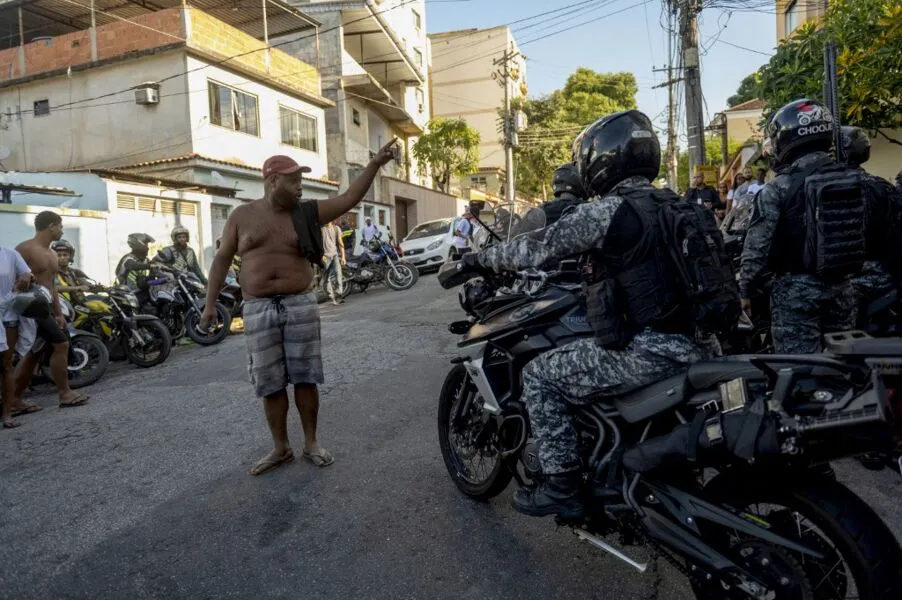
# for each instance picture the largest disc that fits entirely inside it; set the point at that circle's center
(632, 286)
(823, 231)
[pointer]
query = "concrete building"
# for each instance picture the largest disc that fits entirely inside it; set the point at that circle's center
(192, 92)
(374, 60)
(463, 87)
(793, 13)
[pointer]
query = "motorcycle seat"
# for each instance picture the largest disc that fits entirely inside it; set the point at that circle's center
(652, 399)
(703, 375)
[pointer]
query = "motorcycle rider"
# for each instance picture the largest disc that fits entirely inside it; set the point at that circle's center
(568, 193)
(133, 267)
(70, 282)
(874, 281)
(616, 157)
(180, 256)
(812, 291)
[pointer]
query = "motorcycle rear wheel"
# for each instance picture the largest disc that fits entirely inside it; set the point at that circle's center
(455, 389)
(162, 342)
(869, 557)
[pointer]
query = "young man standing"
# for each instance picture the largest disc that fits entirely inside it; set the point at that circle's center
(333, 259)
(44, 264)
(281, 317)
(15, 276)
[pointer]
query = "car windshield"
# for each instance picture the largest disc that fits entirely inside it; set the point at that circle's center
(429, 229)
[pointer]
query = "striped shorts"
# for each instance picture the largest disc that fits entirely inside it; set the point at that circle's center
(283, 342)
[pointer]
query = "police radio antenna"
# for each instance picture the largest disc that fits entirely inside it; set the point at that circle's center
(831, 97)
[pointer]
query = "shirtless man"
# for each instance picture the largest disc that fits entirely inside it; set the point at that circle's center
(44, 265)
(281, 316)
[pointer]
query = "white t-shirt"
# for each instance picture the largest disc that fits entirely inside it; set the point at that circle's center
(466, 228)
(754, 187)
(12, 266)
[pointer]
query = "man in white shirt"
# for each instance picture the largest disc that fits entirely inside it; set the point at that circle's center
(463, 233)
(333, 258)
(755, 186)
(370, 231)
(14, 276)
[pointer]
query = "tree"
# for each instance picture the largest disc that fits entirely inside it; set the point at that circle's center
(868, 35)
(450, 148)
(553, 121)
(748, 90)
(712, 152)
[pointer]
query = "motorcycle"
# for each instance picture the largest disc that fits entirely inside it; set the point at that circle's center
(647, 452)
(111, 313)
(379, 263)
(178, 299)
(230, 295)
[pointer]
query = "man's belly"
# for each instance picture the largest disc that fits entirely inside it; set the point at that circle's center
(263, 276)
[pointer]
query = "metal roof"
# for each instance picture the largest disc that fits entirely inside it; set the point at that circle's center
(57, 17)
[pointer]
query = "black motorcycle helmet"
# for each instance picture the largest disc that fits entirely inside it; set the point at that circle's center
(140, 243)
(800, 127)
(566, 179)
(616, 147)
(856, 145)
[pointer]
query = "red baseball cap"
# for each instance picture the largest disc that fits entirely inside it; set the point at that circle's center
(283, 165)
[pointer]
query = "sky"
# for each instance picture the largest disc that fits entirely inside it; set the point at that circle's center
(632, 40)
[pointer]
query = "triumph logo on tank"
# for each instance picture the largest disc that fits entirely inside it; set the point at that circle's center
(814, 129)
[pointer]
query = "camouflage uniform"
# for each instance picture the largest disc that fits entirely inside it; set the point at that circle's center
(803, 306)
(578, 371)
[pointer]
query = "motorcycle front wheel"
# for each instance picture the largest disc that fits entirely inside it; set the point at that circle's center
(88, 361)
(220, 328)
(401, 277)
(476, 469)
(154, 350)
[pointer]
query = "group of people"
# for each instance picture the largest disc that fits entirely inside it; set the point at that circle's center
(40, 270)
(815, 228)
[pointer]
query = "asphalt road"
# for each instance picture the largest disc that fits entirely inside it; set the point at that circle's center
(144, 492)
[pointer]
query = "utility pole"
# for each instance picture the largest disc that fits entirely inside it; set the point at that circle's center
(509, 127)
(670, 157)
(695, 127)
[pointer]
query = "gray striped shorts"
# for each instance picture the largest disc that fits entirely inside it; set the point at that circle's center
(283, 342)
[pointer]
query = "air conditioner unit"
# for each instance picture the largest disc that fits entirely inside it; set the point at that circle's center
(147, 95)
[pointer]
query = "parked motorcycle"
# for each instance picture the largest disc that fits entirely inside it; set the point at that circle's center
(768, 525)
(88, 355)
(230, 296)
(111, 313)
(178, 299)
(379, 263)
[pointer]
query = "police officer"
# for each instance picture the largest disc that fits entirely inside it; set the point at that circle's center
(617, 157)
(812, 291)
(874, 280)
(568, 193)
(180, 256)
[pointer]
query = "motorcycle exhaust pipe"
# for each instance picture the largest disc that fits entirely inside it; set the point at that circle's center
(603, 545)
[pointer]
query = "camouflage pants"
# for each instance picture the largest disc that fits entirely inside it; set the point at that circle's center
(873, 283)
(803, 308)
(576, 374)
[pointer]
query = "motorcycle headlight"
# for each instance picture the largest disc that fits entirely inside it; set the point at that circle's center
(434, 245)
(130, 300)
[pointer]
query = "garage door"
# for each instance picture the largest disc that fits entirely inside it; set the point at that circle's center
(157, 217)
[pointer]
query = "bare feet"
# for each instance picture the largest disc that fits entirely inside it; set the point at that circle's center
(272, 460)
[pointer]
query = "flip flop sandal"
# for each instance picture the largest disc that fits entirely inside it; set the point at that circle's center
(11, 424)
(28, 409)
(268, 463)
(321, 458)
(79, 400)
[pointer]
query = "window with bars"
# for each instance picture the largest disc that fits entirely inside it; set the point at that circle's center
(232, 109)
(298, 129)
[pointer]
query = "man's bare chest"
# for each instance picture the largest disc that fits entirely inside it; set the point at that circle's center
(270, 232)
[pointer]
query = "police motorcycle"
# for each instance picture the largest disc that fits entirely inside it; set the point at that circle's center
(88, 355)
(380, 262)
(178, 298)
(112, 313)
(713, 469)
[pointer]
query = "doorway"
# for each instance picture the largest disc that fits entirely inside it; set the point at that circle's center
(401, 218)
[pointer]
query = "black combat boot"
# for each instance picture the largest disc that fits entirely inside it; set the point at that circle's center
(558, 495)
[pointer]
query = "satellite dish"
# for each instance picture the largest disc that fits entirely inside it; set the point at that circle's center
(4, 152)
(216, 177)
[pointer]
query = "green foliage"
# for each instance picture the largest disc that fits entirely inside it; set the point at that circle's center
(748, 90)
(450, 148)
(556, 119)
(868, 35)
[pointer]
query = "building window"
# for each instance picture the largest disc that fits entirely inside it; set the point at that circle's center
(421, 100)
(417, 20)
(355, 115)
(791, 17)
(382, 217)
(478, 180)
(41, 108)
(419, 56)
(298, 129)
(232, 109)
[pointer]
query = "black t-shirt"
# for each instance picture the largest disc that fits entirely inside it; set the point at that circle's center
(706, 194)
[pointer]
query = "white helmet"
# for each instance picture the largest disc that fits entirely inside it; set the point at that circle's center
(179, 231)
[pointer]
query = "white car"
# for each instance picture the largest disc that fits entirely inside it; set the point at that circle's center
(429, 244)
